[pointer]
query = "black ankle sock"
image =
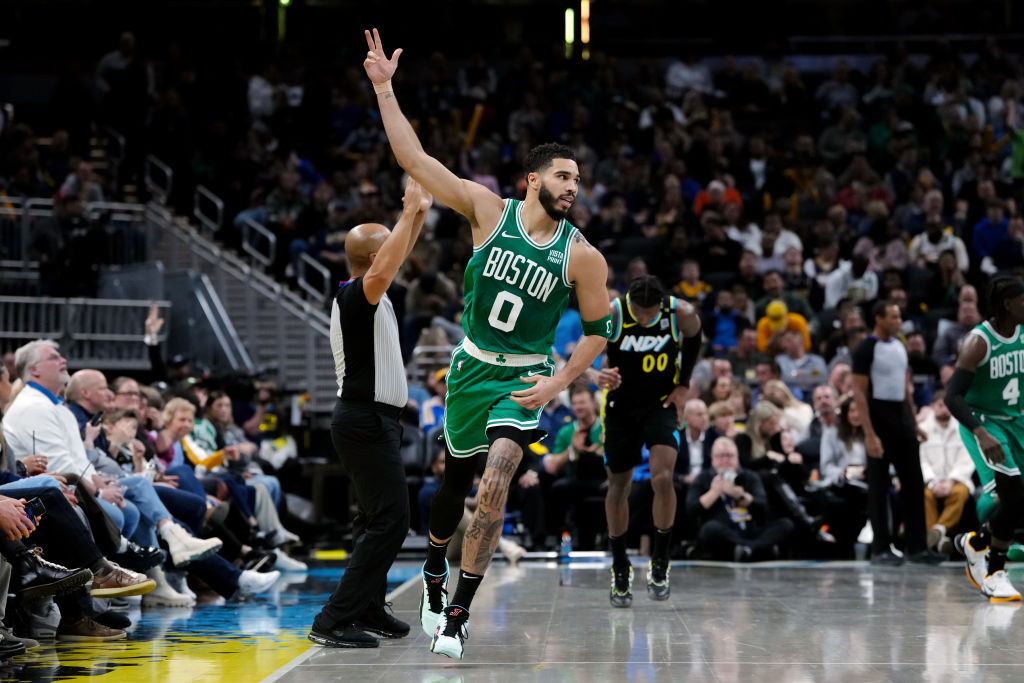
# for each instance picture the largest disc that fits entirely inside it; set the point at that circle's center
(662, 540)
(466, 590)
(996, 560)
(980, 540)
(435, 563)
(618, 544)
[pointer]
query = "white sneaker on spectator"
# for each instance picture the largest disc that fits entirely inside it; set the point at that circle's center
(866, 535)
(178, 580)
(284, 536)
(164, 595)
(185, 547)
(512, 551)
(288, 564)
(936, 534)
(254, 583)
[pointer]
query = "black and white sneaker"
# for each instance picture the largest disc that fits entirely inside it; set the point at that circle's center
(657, 580)
(433, 599)
(621, 594)
(451, 632)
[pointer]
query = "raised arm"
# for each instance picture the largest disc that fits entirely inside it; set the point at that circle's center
(479, 205)
(396, 247)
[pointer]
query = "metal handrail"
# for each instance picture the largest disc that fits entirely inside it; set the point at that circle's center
(209, 223)
(238, 355)
(249, 226)
(159, 190)
(306, 262)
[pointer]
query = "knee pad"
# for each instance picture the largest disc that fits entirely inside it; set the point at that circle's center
(521, 437)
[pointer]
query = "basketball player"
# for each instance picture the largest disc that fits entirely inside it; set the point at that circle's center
(526, 260)
(984, 395)
(649, 328)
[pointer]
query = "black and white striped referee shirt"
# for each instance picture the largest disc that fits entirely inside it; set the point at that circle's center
(367, 354)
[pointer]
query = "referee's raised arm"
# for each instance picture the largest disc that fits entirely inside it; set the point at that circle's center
(376, 254)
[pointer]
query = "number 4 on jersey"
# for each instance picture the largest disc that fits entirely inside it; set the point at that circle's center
(1011, 392)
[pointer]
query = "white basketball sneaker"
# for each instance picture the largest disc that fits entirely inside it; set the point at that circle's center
(998, 588)
(433, 599)
(451, 632)
(977, 560)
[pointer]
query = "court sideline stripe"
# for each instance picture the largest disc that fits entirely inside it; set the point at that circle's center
(279, 674)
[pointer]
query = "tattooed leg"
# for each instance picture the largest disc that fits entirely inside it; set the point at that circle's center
(484, 531)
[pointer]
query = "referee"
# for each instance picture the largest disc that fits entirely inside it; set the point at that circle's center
(372, 391)
(883, 395)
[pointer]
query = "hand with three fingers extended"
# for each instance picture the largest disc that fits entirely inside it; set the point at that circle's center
(990, 446)
(537, 396)
(416, 197)
(14, 523)
(378, 67)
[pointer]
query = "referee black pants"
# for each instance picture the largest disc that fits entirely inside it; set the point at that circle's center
(897, 431)
(367, 438)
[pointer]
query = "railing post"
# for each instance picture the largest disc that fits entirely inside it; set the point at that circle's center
(211, 224)
(159, 178)
(250, 228)
(306, 263)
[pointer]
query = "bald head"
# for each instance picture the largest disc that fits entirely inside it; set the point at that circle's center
(361, 243)
(88, 388)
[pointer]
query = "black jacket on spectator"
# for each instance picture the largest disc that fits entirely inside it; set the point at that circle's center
(750, 482)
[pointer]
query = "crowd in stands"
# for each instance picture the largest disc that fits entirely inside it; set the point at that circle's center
(157, 490)
(782, 203)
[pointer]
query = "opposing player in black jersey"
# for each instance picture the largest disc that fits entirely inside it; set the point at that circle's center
(655, 343)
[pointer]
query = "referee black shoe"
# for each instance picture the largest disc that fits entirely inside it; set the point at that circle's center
(657, 580)
(382, 623)
(621, 594)
(343, 636)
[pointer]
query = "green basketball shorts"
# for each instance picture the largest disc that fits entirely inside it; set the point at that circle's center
(1010, 433)
(480, 386)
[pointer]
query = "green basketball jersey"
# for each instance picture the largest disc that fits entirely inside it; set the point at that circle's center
(996, 387)
(516, 290)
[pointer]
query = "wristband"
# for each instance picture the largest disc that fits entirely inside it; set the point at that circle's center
(381, 88)
(601, 327)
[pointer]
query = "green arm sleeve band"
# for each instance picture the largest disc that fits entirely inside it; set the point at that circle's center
(601, 328)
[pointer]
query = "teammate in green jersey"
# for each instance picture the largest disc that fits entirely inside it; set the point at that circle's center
(526, 259)
(984, 395)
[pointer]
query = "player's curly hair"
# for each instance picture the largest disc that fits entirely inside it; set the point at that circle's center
(1001, 289)
(541, 156)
